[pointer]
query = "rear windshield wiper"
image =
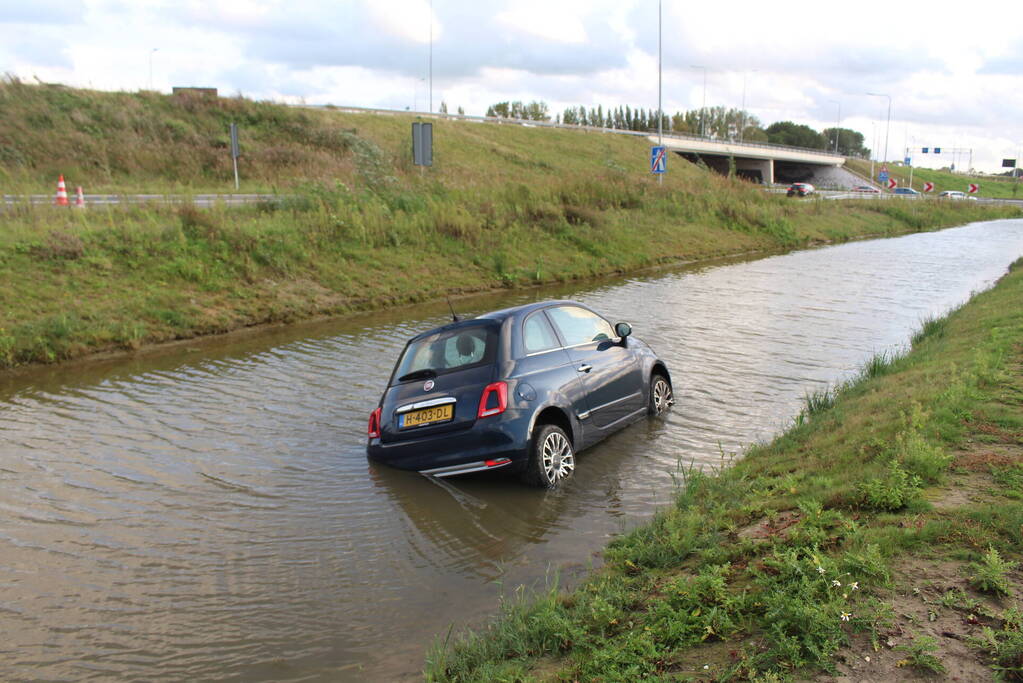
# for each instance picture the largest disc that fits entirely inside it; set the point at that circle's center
(418, 374)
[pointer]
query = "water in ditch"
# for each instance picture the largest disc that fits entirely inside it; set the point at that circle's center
(208, 512)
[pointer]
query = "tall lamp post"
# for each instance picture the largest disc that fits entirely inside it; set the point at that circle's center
(151, 53)
(703, 109)
(431, 56)
(742, 129)
(887, 125)
(838, 122)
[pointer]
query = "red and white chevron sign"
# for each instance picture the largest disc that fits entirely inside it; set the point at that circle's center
(973, 188)
(928, 187)
(892, 183)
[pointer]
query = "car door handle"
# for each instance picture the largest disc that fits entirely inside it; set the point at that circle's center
(585, 368)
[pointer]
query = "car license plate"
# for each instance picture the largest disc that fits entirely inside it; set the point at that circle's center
(426, 416)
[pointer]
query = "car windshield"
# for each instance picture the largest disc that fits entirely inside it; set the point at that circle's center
(447, 350)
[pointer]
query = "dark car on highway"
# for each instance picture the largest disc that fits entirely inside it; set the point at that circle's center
(522, 389)
(800, 189)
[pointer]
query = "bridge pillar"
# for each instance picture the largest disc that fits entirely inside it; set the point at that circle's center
(761, 169)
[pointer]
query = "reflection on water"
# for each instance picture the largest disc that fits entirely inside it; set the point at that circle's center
(208, 512)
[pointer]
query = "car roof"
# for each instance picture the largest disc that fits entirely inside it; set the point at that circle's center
(499, 316)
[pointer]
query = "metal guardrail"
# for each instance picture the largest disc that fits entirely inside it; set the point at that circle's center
(567, 126)
(101, 199)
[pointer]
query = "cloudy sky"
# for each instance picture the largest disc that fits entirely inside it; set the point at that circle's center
(954, 71)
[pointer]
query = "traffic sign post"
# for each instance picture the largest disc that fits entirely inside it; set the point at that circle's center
(972, 188)
(883, 176)
(892, 183)
(658, 159)
(928, 187)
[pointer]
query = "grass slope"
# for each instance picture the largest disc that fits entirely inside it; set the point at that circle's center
(878, 538)
(359, 227)
(992, 187)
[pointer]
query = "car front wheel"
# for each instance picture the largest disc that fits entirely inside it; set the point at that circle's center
(661, 397)
(551, 459)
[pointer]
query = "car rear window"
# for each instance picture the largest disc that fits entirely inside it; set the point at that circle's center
(449, 350)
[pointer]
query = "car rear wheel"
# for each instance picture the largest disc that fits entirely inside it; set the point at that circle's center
(551, 459)
(661, 397)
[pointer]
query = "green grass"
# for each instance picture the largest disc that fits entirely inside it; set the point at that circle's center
(768, 569)
(356, 227)
(993, 187)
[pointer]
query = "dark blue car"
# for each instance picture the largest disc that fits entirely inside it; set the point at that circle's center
(522, 389)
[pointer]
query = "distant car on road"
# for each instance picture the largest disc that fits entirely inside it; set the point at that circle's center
(867, 189)
(801, 189)
(523, 389)
(906, 191)
(952, 194)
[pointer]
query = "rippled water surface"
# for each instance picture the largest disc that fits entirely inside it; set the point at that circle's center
(209, 513)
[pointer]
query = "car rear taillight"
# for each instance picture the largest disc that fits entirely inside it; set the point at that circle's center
(374, 424)
(494, 400)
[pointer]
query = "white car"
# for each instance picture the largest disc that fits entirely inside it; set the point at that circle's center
(953, 194)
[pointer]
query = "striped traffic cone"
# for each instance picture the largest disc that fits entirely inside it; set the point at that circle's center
(61, 199)
(79, 198)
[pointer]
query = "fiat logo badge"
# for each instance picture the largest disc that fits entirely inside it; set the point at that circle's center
(428, 385)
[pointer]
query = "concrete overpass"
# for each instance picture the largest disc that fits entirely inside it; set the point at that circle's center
(762, 162)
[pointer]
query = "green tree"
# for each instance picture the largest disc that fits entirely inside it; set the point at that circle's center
(795, 135)
(850, 142)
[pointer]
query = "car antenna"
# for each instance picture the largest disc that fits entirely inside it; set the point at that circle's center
(454, 318)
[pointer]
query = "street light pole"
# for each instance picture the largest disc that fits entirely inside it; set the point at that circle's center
(660, 111)
(431, 56)
(155, 49)
(703, 109)
(742, 129)
(888, 125)
(838, 123)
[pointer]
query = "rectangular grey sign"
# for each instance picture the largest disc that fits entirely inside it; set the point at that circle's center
(422, 144)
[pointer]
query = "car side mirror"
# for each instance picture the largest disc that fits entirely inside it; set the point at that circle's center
(623, 330)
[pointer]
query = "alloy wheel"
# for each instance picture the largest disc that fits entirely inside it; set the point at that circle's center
(663, 398)
(558, 459)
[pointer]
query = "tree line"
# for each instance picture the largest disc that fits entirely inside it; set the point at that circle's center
(719, 123)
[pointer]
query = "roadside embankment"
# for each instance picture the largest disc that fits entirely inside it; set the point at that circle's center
(357, 227)
(879, 538)
(80, 282)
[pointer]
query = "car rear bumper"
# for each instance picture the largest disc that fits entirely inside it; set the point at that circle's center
(491, 443)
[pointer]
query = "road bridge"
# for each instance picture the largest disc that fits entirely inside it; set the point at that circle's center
(761, 162)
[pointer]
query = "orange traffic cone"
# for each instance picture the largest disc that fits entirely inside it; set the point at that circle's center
(61, 199)
(79, 199)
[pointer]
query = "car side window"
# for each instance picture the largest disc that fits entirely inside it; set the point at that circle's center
(579, 326)
(538, 335)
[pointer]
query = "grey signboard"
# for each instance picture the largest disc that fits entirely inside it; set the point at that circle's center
(422, 144)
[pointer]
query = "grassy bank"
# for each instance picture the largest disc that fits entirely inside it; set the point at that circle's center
(878, 538)
(993, 187)
(359, 226)
(78, 282)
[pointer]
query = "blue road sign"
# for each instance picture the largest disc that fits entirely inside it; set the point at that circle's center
(883, 176)
(658, 159)
(908, 161)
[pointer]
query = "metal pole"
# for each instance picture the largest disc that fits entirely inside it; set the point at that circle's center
(742, 121)
(838, 122)
(431, 56)
(155, 49)
(703, 110)
(888, 125)
(236, 173)
(660, 111)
